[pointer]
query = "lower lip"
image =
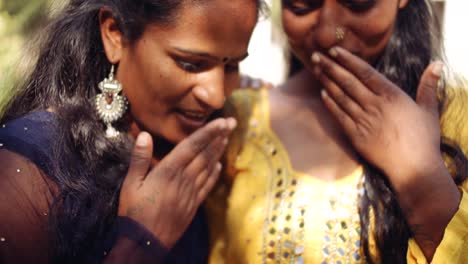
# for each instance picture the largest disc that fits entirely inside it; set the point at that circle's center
(190, 122)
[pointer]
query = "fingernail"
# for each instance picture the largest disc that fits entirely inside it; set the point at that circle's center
(219, 166)
(333, 52)
(441, 83)
(315, 58)
(324, 93)
(437, 69)
(225, 142)
(232, 123)
(142, 139)
(223, 126)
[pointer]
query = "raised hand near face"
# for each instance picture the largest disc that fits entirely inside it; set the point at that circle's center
(396, 134)
(390, 130)
(166, 198)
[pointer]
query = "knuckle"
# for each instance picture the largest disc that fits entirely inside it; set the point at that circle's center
(342, 99)
(348, 83)
(210, 152)
(390, 96)
(362, 133)
(196, 145)
(167, 169)
(427, 86)
(341, 116)
(188, 174)
(374, 111)
(139, 158)
(328, 67)
(366, 74)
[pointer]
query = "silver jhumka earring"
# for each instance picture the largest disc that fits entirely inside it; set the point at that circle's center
(109, 104)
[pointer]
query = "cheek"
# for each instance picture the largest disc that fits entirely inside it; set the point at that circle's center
(373, 35)
(152, 85)
(294, 29)
(298, 32)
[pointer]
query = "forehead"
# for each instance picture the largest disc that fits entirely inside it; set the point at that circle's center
(209, 23)
(378, 13)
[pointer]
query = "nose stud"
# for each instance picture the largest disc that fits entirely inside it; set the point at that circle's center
(339, 33)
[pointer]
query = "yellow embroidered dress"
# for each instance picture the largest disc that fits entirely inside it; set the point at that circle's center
(265, 212)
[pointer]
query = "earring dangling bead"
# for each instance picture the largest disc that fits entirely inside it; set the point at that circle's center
(110, 105)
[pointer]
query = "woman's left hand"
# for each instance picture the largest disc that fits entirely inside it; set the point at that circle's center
(396, 134)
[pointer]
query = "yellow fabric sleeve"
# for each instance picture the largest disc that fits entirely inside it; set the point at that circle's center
(239, 105)
(454, 117)
(454, 245)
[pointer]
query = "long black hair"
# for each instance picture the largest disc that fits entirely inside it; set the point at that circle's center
(414, 44)
(70, 64)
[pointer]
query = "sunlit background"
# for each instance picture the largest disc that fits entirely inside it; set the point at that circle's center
(21, 19)
(268, 60)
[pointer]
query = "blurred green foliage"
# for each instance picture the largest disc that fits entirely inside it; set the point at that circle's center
(19, 21)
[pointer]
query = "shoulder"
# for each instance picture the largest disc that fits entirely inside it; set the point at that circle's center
(31, 136)
(252, 93)
(249, 106)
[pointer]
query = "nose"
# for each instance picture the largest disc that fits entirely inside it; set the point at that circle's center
(210, 88)
(329, 30)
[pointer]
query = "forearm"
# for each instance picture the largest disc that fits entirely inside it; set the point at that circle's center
(428, 205)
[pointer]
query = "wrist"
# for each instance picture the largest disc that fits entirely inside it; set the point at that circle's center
(129, 241)
(428, 203)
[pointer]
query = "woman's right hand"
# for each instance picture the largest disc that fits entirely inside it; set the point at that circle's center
(166, 198)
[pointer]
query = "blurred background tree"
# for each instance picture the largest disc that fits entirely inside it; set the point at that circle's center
(19, 22)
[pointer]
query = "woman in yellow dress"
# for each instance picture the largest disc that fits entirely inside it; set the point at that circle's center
(341, 163)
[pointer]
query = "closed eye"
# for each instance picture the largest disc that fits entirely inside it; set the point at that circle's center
(358, 5)
(302, 7)
(190, 66)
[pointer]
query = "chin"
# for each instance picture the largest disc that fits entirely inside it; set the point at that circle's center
(177, 136)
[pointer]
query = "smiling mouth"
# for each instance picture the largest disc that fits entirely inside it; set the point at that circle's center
(192, 119)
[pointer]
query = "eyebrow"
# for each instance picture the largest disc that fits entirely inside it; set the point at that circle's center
(210, 56)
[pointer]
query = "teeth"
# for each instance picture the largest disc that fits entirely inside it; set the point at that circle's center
(195, 116)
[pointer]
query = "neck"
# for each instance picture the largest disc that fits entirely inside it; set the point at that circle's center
(304, 85)
(303, 91)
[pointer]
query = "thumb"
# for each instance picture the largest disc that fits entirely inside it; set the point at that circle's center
(140, 159)
(427, 96)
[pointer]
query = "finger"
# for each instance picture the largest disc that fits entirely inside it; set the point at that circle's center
(349, 83)
(210, 183)
(343, 119)
(189, 148)
(206, 161)
(140, 159)
(426, 96)
(363, 71)
(345, 103)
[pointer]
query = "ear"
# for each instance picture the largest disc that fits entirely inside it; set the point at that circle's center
(112, 38)
(402, 4)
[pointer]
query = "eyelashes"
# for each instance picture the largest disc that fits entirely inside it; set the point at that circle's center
(199, 67)
(302, 7)
(188, 66)
(359, 5)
